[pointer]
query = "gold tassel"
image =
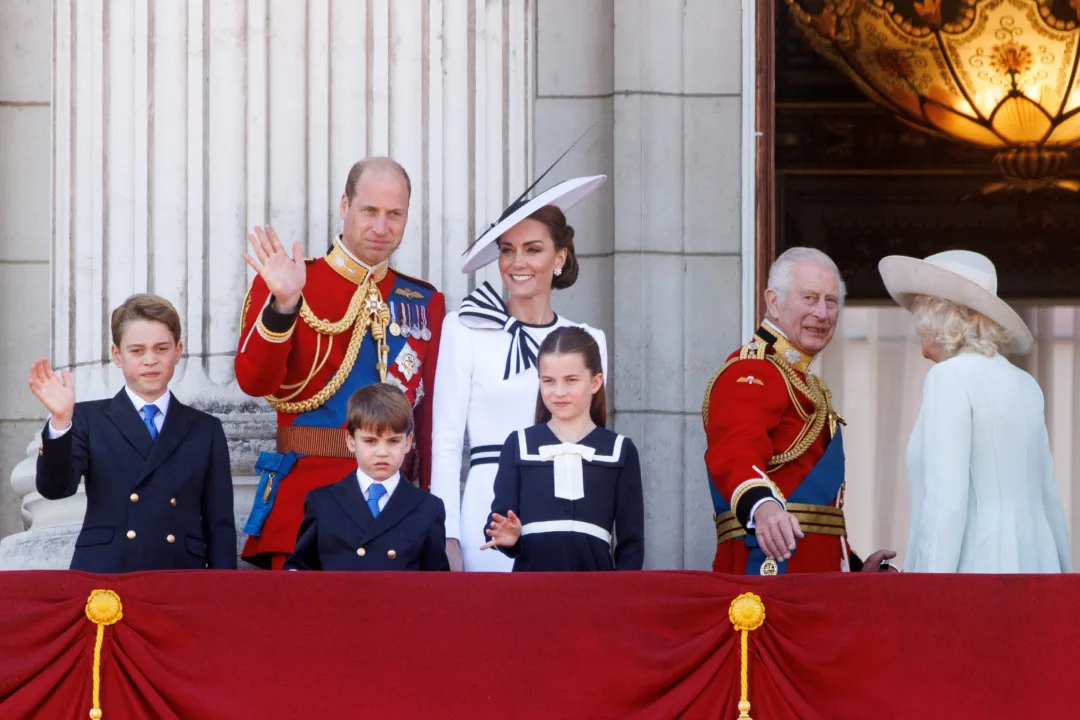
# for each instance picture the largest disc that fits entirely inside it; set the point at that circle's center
(103, 607)
(746, 613)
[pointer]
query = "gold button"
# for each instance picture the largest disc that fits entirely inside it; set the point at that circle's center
(361, 552)
(134, 497)
(131, 534)
(173, 502)
(391, 554)
(171, 538)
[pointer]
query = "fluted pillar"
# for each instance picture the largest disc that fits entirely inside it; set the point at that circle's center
(178, 125)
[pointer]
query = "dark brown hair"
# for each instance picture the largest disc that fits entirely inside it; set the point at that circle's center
(574, 340)
(373, 163)
(562, 235)
(381, 409)
(145, 307)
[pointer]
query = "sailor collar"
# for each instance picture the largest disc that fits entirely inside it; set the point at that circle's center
(790, 354)
(344, 264)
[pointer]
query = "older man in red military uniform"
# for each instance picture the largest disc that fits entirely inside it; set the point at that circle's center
(775, 454)
(314, 331)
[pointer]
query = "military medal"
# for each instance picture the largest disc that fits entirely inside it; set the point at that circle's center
(769, 567)
(395, 329)
(414, 326)
(408, 363)
(405, 329)
(425, 332)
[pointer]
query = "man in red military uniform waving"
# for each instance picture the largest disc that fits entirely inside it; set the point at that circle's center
(314, 331)
(775, 453)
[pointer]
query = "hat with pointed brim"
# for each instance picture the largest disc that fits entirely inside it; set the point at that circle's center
(960, 276)
(563, 196)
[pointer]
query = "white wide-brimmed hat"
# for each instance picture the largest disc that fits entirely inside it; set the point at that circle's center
(563, 196)
(960, 276)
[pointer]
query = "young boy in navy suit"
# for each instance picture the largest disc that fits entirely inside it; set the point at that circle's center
(373, 519)
(158, 486)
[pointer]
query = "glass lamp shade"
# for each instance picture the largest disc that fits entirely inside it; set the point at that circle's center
(998, 73)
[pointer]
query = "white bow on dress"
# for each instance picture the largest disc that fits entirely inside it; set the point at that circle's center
(569, 481)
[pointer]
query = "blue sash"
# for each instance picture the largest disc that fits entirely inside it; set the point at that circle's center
(819, 487)
(272, 466)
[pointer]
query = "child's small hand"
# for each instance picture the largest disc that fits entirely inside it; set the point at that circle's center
(56, 392)
(504, 531)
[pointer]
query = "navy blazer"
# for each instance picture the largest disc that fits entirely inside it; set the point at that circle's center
(164, 504)
(339, 533)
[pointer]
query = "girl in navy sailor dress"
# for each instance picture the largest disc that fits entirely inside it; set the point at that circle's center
(568, 491)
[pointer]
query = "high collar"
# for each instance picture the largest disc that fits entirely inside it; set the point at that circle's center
(790, 354)
(344, 264)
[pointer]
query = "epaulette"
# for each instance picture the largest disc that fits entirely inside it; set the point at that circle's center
(753, 350)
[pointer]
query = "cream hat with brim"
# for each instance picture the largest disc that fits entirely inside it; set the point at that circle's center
(563, 196)
(960, 276)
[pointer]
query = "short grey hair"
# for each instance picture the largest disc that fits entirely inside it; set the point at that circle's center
(956, 328)
(784, 267)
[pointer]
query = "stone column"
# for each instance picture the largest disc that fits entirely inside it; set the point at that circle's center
(178, 125)
(25, 149)
(678, 284)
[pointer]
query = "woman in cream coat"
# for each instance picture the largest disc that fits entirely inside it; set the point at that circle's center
(984, 497)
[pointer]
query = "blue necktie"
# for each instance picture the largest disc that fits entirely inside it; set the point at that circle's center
(148, 413)
(375, 492)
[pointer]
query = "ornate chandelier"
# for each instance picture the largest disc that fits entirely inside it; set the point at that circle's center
(998, 73)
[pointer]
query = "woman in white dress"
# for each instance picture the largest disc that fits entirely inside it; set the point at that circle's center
(983, 494)
(486, 382)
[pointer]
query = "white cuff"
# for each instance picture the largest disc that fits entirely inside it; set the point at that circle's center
(750, 522)
(54, 433)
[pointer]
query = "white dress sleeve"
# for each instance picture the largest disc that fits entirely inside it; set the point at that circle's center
(946, 460)
(450, 412)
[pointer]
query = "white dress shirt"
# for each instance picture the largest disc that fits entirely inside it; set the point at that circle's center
(161, 402)
(389, 483)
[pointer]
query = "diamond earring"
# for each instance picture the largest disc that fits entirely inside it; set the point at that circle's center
(558, 271)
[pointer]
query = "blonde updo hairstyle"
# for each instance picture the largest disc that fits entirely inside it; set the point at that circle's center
(956, 328)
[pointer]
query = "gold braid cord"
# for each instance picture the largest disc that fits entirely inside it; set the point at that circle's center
(366, 310)
(812, 388)
(325, 327)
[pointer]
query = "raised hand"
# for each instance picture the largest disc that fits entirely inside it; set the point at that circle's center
(285, 276)
(56, 392)
(504, 531)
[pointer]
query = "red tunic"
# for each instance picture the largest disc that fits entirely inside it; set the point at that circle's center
(270, 366)
(750, 418)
